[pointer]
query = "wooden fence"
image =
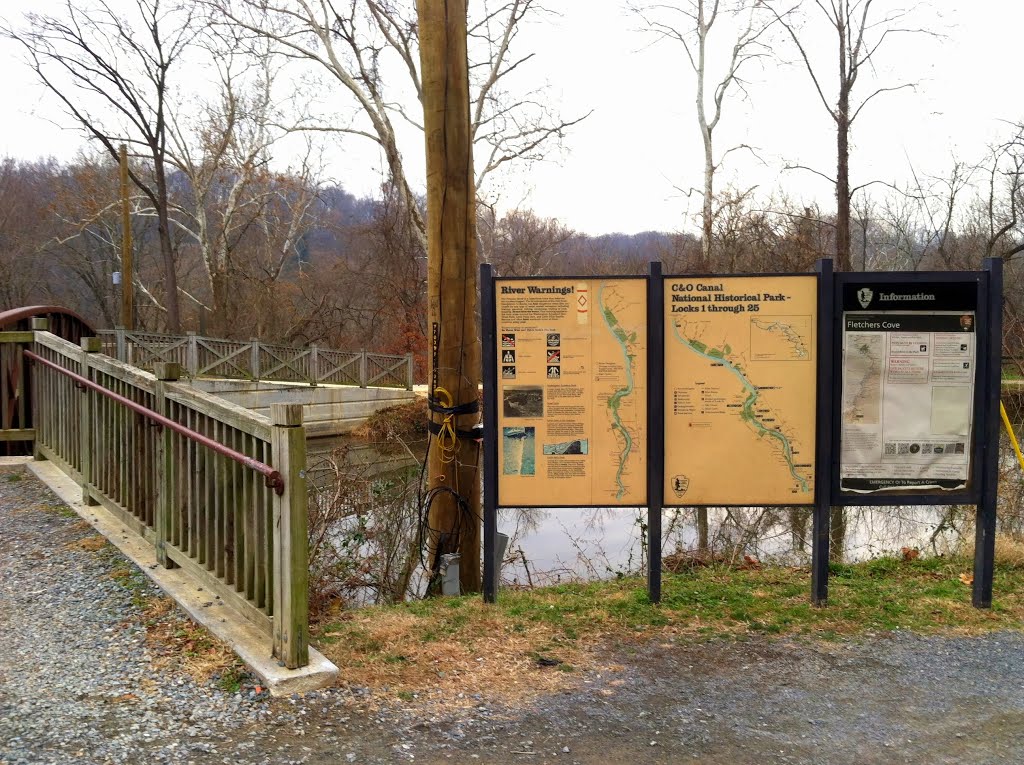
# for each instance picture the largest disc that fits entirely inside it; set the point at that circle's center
(181, 468)
(16, 431)
(15, 409)
(253, 360)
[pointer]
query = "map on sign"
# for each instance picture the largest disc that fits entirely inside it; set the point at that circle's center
(572, 391)
(616, 384)
(784, 338)
(862, 381)
(740, 386)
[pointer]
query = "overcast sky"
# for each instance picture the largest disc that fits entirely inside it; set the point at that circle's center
(626, 166)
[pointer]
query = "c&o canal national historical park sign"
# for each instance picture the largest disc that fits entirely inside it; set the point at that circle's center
(743, 390)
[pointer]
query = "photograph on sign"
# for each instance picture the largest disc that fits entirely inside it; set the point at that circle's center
(908, 378)
(740, 387)
(572, 392)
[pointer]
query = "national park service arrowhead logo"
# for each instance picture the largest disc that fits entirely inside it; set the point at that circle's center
(680, 483)
(864, 296)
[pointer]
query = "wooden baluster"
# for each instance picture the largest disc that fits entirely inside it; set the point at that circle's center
(40, 399)
(248, 524)
(236, 509)
(87, 425)
(264, 531)
(219, 518)
(163, 522)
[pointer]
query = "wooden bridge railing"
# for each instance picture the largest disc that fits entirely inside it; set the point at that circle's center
(253, 360)
(181, 468)
(16, 429)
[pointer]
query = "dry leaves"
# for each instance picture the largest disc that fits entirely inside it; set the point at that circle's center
(910, 554)
(91, 543)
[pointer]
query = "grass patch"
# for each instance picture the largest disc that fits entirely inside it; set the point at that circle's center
(443, 647)
(132, 579)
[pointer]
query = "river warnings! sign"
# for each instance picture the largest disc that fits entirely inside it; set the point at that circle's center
(740, 387)
(572, 392)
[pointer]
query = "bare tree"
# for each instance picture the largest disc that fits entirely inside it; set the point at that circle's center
(1004, 197)
(691, 25)
(26, 192)
(521, 243)
(236, 208)
(85, 239)
(860, 30)
(354, 42)
(113, 78)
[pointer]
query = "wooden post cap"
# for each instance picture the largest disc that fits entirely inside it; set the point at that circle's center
(92, 344)
(167, 370)
(286, 415)
(41, 324)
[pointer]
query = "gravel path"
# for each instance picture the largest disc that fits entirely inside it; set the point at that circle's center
(76, 679)
(79, 685)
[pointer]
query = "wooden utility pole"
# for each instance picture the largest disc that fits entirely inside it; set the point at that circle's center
(127, 266)
(452, 469)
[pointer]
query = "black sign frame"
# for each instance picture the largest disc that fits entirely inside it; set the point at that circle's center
(983, 478)
(962, 290)
(986, 289)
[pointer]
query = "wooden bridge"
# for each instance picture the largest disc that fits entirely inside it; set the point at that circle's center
(215, 489)
(200, 356)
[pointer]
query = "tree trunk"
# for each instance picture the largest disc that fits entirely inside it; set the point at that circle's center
(166, 249)
(837, 533)
(452, 470)
(842, 117)
(219, 282)
(843, 187)
(706, 213)
(703, 532)
(709, 165)
(798, 519)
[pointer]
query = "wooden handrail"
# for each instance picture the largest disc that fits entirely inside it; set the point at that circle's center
(274, 479)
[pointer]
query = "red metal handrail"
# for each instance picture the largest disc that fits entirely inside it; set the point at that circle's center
(14, 315)
(274, 479)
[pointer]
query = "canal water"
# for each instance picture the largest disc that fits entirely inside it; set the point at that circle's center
(558, 544)
(561, 544)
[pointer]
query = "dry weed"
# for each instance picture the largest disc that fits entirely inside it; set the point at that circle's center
(92, 543)
(485, 655)
(1009, 550)
(176, 642)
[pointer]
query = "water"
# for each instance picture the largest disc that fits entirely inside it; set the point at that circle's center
(559, 544)
(376, 522)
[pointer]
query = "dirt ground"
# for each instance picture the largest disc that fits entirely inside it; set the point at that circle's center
(884, 699)
(879, 698)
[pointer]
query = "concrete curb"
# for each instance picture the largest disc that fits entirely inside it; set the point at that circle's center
(14, 461)
(252, 646)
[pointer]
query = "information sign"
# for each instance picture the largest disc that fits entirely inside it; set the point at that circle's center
(759, 390)
(740, 383)
(909, 360)
(572, 392)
